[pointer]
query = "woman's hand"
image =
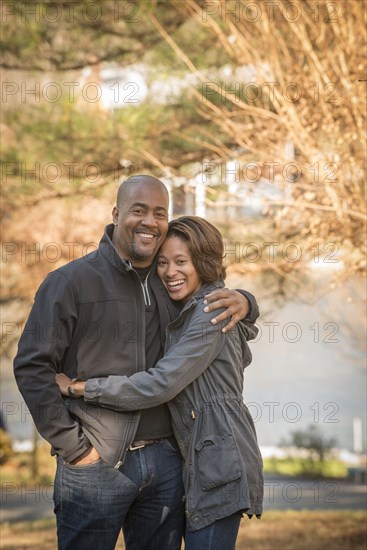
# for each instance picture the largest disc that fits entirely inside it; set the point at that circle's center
(236, 304)
(69, 386)
(63, 382)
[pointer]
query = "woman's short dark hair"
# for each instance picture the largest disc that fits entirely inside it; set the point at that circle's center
(205, 245)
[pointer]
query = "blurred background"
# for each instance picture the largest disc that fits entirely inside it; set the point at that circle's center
(253, 115)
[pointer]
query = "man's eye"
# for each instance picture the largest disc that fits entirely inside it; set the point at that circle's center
(138, 211)
(162, 215)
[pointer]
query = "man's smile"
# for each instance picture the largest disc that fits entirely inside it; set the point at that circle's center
(145, 236)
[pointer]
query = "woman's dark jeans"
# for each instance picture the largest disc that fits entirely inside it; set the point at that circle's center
(220, 535)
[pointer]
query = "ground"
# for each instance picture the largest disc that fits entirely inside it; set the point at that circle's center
(290, 530)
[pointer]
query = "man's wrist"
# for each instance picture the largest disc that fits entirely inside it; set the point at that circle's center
(253, 313)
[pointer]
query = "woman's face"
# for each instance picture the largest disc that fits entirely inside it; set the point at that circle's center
(176, 270)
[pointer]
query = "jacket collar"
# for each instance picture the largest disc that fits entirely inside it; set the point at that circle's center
(204, 290)
(209, 287)
(108, 250)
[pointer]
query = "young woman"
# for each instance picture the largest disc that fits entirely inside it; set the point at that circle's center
(201, 377)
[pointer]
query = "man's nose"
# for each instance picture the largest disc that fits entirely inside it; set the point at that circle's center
(150, 220)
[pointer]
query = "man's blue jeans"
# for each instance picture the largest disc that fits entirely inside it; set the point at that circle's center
(143, 497)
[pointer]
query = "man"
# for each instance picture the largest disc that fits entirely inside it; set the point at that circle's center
(101, 315)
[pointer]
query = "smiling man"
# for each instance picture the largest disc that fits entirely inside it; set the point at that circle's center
(140, 225)
(100, 315)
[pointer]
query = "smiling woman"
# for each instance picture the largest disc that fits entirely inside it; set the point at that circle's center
(192, 255)
(176, 270)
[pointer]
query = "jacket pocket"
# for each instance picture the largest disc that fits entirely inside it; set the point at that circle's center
(104, 428)
(217, 460)
(82, 466)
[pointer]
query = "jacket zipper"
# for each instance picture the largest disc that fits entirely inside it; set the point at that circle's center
(141, 360)
(144, 286)
(188, 473)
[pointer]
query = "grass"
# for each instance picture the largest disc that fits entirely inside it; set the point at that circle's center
(305, 467)
(311, 530)
(289, 530)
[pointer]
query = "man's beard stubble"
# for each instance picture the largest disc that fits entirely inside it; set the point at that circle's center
(136, 254)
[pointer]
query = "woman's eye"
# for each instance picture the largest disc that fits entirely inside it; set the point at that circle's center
(161, 262)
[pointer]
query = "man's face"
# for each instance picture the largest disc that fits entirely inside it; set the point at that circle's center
(141, 223)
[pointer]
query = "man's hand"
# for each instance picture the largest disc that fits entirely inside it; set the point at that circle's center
(90, 456)
(236, 303)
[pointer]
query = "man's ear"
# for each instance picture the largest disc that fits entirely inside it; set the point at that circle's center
(115, 215)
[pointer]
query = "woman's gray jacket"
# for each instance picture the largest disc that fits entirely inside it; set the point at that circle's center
(201, 378)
